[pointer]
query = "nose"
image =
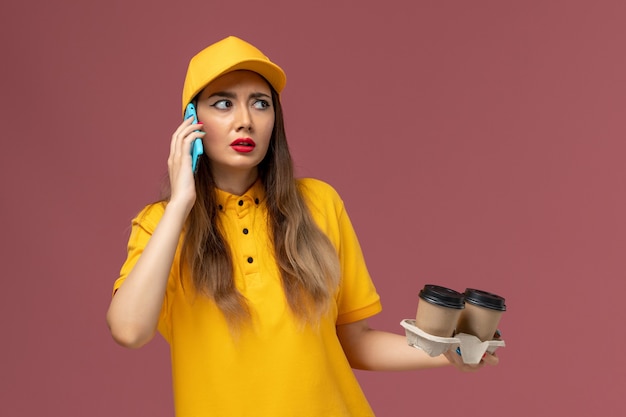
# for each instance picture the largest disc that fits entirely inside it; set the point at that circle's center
(244, 119)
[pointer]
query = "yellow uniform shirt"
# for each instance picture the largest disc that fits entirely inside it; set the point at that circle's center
(277, 367)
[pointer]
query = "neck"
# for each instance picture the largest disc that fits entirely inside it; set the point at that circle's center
(235, 182)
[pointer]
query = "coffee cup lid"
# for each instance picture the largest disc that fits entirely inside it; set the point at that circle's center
(442, 296)
(484, 299)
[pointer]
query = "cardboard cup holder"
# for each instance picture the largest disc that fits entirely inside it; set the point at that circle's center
(472, 348)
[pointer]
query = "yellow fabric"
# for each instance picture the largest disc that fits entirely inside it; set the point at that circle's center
(277, 367)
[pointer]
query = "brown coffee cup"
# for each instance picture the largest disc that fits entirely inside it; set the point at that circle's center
(482, 314)
(438, 310)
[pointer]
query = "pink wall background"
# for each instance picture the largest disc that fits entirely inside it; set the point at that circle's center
(475, 143)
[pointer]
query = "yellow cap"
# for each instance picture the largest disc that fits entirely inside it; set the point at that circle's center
(228, 55)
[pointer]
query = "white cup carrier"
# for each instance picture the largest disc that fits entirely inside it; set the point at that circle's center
(471, 348)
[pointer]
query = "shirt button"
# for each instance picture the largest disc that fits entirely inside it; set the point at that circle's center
(250, 260)
(240, 202)
(245, 231)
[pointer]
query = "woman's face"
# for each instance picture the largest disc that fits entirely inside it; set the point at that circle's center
(238, 117)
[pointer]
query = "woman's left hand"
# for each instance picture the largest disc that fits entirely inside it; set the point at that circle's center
(457, 361)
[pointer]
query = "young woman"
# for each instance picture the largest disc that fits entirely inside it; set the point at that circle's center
(254, 278)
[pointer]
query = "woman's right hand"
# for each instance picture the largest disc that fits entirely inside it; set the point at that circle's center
(182, 184)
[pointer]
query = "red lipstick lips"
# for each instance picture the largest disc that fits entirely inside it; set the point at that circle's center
(243, 145)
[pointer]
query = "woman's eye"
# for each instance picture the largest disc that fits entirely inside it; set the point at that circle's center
(222, 104)
(261, 104)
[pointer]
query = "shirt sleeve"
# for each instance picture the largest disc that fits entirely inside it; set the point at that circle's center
(143, 226)
(357, 298)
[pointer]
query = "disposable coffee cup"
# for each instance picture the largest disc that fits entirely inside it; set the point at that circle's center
(438, 310)
(482, 313)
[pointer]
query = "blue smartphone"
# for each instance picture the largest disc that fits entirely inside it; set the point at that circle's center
(196, 148)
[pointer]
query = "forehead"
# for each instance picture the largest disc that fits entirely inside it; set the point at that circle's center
(238, 80)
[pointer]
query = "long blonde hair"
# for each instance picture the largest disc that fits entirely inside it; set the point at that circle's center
(306, 258)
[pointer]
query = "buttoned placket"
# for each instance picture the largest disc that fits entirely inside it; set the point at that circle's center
(244, 208)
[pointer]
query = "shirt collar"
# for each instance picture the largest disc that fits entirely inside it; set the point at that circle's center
(254, 196)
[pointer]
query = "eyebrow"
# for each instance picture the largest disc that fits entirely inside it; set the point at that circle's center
(230, 95)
